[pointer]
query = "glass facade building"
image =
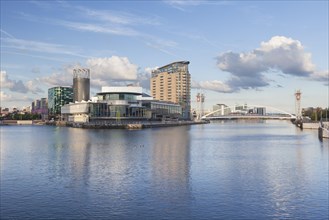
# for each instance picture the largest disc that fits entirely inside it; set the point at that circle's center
(161, 109)
(121, 101)
(125, 103)
(58, 97)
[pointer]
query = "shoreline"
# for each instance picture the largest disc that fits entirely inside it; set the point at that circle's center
(133, 125)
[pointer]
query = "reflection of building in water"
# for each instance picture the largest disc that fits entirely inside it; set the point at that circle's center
(80, 150)
(171, 163)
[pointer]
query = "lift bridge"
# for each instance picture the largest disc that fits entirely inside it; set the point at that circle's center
(248, 112)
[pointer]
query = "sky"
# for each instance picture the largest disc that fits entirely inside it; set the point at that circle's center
(254, 52)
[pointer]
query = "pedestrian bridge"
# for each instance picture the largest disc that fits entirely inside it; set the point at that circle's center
(248, 112)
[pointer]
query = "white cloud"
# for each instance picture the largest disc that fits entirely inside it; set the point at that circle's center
(18, 85)
(150, 69)
(118, 23)
(118, 17)
(252, 69)
(61, 77)
(107, 21)
(4, 96)
(37, 46)
(103, 72)
(5, 81)
(321, 76)
(99, 28)
(13, 98)
(286, 55)
(182, 4)
(214, 85)
(32, 87)
(112, 68)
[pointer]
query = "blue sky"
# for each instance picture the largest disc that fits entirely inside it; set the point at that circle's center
(254, 52)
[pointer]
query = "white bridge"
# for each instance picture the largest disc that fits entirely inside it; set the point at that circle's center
(248, 112)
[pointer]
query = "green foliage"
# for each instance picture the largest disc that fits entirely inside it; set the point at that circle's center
(26, 116)
(316, 114)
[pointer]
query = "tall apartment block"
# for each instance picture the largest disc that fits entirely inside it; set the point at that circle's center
(57, 97)
(172, 83)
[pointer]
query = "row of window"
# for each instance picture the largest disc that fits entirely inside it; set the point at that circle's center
(121, 96)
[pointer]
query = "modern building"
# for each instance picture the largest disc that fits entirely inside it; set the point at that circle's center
(260, 111)
(81, 84)
(58, 97)
(172, 83)
(120, 103)
(222, 110)
(35, 106)
(40, 107)
(162, 110)
(83, 111)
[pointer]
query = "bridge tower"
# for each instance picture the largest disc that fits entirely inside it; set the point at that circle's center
(200, 97)
(297, 105)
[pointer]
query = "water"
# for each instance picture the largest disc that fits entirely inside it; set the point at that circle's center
(231, 170)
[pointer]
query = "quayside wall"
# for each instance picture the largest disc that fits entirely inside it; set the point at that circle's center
(139, 125)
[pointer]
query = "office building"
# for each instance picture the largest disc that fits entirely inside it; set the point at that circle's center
(58, 97)
(172, 83)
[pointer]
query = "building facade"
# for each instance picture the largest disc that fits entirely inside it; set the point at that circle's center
(120, 103)
(172, 83)
(40, 107)
(58, 97)
(221, 109)
(81, 84)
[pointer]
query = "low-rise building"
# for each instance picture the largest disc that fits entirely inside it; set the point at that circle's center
(221, 109)
(120, 103)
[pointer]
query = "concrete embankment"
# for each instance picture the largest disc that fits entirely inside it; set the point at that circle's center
(22, 122)
(314, 125)
(139, 125)
(310, 125)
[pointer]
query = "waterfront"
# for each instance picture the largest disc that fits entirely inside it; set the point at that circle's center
(224, 170)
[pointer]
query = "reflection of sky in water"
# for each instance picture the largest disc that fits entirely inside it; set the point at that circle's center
(221, 170)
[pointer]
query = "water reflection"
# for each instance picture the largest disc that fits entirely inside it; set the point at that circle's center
(224, 170)
(124, 165)
(264, 169)
(171, 167)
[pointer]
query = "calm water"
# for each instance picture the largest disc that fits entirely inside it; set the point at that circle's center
(245, 170)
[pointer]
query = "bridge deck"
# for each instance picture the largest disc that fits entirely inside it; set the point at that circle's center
(228, 117)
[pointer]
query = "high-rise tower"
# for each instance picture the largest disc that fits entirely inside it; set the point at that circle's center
(172, 83)
(81, 84)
